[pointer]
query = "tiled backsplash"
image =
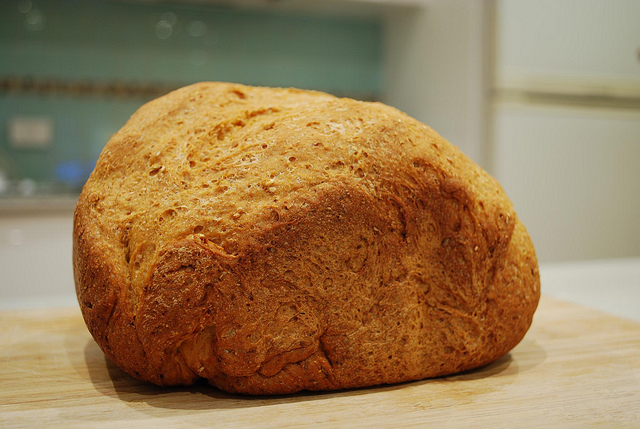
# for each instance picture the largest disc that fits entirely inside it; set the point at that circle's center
(72, 72)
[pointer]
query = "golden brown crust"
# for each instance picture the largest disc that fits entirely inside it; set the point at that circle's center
(274, 240)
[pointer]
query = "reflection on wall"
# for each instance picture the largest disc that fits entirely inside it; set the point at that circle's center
(72, 72)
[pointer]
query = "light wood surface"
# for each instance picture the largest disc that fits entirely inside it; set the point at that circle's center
(575, 368)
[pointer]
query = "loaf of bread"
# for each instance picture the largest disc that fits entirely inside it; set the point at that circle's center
(279, 240)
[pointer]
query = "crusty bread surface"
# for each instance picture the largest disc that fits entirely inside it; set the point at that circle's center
(278, 240)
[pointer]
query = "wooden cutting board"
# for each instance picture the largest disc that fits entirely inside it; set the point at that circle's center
(575, 368)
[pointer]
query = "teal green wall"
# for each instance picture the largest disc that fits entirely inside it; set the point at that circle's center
(109, 41)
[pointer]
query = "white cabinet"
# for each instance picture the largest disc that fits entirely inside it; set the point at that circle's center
(35, 259)
(566, 123)
(574, 176)
(569, 46)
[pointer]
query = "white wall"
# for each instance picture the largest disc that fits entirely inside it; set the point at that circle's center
(436, 69)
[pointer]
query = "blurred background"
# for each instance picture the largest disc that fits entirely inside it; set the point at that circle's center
(543, 94)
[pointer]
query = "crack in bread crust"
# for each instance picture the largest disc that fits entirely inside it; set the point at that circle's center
(226, 235)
